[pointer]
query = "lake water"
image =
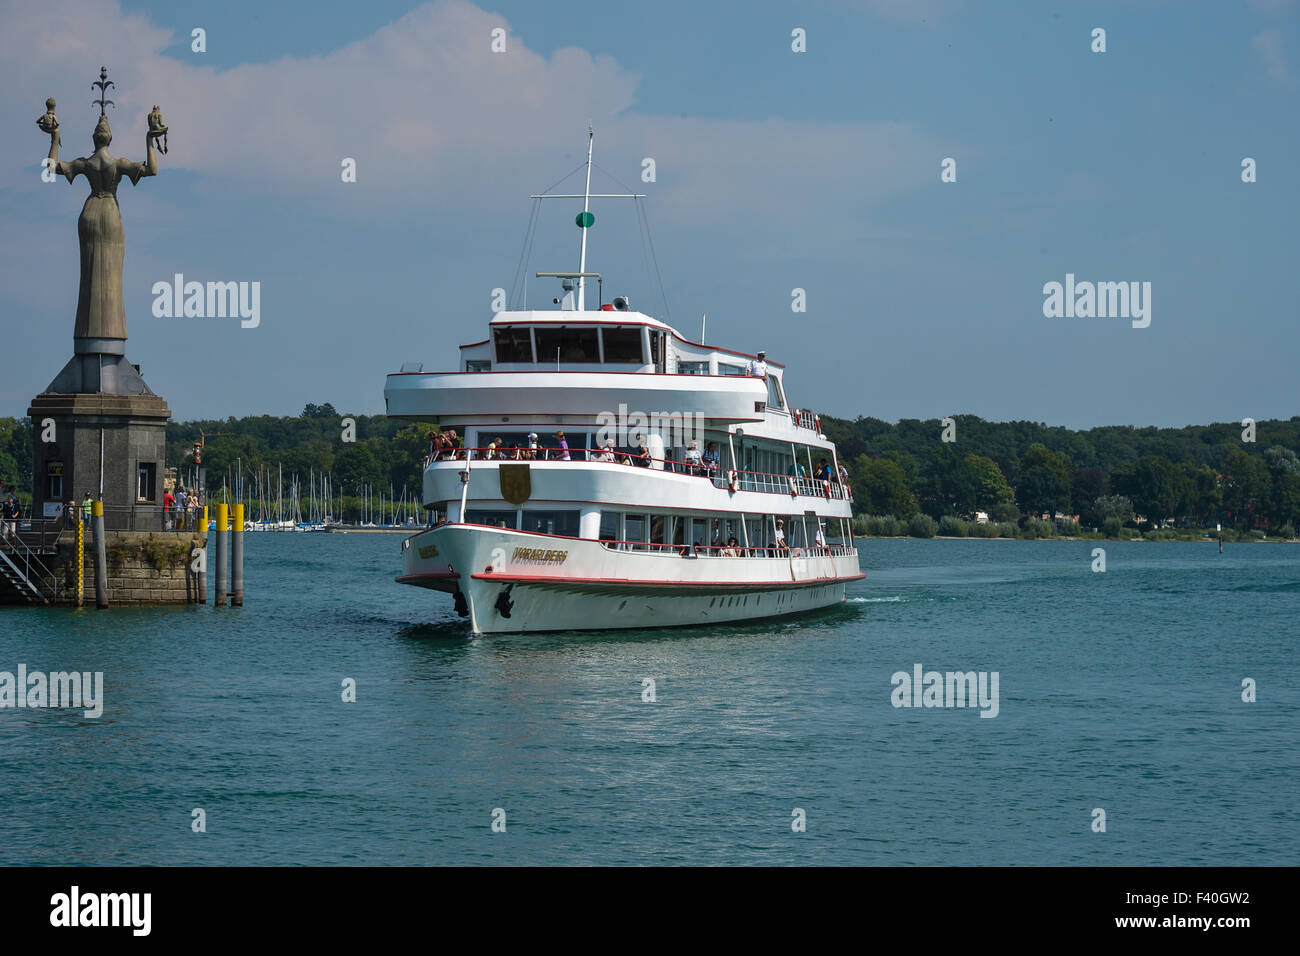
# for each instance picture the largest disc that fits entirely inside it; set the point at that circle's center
(1119, 690)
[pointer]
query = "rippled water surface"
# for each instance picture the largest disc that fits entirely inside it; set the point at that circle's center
(1119, 690)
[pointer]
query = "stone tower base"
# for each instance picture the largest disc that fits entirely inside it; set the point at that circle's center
(75, 436)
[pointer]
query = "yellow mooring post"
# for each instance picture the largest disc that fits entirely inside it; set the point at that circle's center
(81, 556)
(222, 532)
(237, 559)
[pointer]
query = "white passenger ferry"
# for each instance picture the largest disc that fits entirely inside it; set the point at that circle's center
(614, 474)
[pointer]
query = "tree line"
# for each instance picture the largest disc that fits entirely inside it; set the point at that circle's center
(1198, 475)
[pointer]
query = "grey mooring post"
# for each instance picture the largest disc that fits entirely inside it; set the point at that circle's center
(207, 553)
(101, 556)
(237, 559)
(222, 532)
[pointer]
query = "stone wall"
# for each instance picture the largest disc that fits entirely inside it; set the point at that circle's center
(133, 578)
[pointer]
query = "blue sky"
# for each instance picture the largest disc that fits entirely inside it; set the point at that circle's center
(775, 170)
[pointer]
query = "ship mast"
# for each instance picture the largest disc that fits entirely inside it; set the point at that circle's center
(586, 208)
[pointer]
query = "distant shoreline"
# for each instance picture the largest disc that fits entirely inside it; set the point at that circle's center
(950, 537)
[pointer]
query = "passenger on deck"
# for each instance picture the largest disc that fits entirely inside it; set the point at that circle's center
(694, 466)
(450, 444)
(564, 446)
(532, 445)
(732, 549)
(710, 458)
(607, 453)
(821, 534)
(643, 452)
(780, 537)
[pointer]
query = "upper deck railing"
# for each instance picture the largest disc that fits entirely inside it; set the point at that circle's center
(732, 479)
(805, 419)
(731, 550)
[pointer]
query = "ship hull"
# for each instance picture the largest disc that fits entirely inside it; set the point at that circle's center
(513, 582)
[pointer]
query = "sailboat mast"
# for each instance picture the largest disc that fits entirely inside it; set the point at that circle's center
(586, 207)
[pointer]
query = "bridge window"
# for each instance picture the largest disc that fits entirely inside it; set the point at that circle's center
(572, 345)
(693, 368)
(514, 345)
(495, 519)
(725, 369)
(774, 397)
(623, 345)
(552, 522)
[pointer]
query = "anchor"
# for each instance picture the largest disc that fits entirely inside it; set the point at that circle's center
(504, 604)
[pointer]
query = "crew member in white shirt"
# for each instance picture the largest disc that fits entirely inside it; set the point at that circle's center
(758, 367)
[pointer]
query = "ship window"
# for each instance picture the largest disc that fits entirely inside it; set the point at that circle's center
(725, 369)
(656, 529)
(622, 345)
(552, 522)
(572, 345)
(478, 365)
(495, 519)
(634, 528)
(693, 368)
(514, 345)
(774, 398)
(609, 525)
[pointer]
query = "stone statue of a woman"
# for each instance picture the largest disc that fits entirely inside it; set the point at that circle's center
(101, 315)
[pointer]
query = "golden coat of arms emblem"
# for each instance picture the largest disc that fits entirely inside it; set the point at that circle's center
(516, 483)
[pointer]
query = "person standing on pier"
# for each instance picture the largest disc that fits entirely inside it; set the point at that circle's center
(12, 512)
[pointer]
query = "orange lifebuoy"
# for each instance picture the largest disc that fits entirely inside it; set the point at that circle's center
(794, 487)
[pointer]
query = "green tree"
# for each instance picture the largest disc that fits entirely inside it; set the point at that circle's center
(879, 488)
(1044, 482)
(1286, 498)
(1086, 486)
(977, 484)
(1159, 487)
(1113, 508)
(1245, 484)
(356, 465)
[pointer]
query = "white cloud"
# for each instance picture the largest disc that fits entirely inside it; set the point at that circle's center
(433, 118)
(1270, 46)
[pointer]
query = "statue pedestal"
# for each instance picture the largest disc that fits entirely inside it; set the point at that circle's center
(125, 436)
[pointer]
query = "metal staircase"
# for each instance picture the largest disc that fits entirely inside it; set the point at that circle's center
(21, 566)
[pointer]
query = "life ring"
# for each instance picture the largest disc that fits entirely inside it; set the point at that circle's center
(733, 481)
(794, 488)
(827, 486)
(796, 552)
